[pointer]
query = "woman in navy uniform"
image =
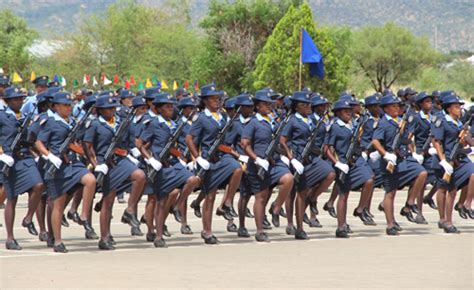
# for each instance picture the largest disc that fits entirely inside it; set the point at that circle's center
(71, 175)
(217, 173)
(315, 174)
(96, 140)
(23, 174)
(256, 138)
(356, 176)
(406, 170)
(172, 178)
(461, 169)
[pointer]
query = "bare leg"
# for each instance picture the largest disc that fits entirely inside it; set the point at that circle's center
(150, 212)
(207, 209)
(450, 199)
(138, 183)
(342, 210)
(441, 201)
(88, 190)
(285, 186)
(261, 199)
(33, 200)
(10, 217)
(388, 204)
(106, 214)
(300, 208)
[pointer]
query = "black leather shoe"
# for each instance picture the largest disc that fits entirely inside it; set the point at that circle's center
(223, 212)
(330, 209)
(232, 228)
(50, 242)
(166, 233)
(143, 220)
(462, 214)
(468, 212)
(290, 230)
(160, 243)
(397, 226)
(74, 216)
(430, 202)
(177, 214)
(211, 240)
(150, 237)
(266, 224)
(367, 212)
(440, 225)
(98, 206)
(85, 223)
(408, 215)
(186, 230)
(12, 245)
(135, 231)
(91, 235)
(451, 230)
(306, 219)
(275, 217)
(420, 219)
(301, 235)
(131, 219)
(262, 237)
(366, 219)
(106, 245)
(197, 209)
(111, 240)
(314, 223)
(61, 248)
(233, 213)
(282, 213)
(43, 236)
(64, 221)
(380, 207)
(2, 205)
(413, 208)
(348, 229)
(248, 213)
(342, 233)
(313, 207)
(31, 227)
(392, 231)
(243, 233)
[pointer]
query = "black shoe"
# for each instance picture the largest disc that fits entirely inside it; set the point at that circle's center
(177, 214)
(380, 207)
(407, 214)
(143, 220)
(262, 237)
(243, 233)
(166, 233)
(160, 243)
(342, 233)
(462, 214)
(313, 207)
(224, 212)
(282, 213)
(365, 218)
(61, 248)
(266, 224)
(74, 216)
(2, 205)
(12, 245)
(248, 213)
(468, 212)
(135, 231)
(106, 245)
(330, 209)
(306, 219)
(31, 227)
(120, 199)
(186, 230)
(197, 209)
(111, 240)
(348, 229)
(98, 206)
(413, 208)
(301, 235)
(368, 212)
(150, 237)
(232, 228)
(275, 217)
(397, 227)
(451, 230)
(50, 242)
(429, 201)
(86, 224)
(290, 230)
(43, 236)
(64, 221)
(211, 240)
(233, 213)
(420, 219)
(440, 225)
(314, 223)
(91, 235)
(392, 231)
(131, 219)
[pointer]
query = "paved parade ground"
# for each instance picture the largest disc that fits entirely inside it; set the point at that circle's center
(423, 256)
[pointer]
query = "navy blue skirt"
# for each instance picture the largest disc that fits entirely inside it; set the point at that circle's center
(245, 188)
(22, 177)
(314, 174)
(358, 174)
(271, 178)
(378, 178)
(428, 165)
(405, 172)
(117, 179)
(459, 178)
(170, 178)
(218, 174)
(65, 179)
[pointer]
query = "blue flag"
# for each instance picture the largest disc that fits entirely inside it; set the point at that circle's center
(310, 54)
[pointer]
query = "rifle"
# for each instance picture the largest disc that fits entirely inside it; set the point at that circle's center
(407, 118)
(51, 170)
(273, 144)
(115, 140)
(219, 139)
(457, 149)
(307, 150)
(165, 153)
(426, 146)
(19, 136)
(354, 147)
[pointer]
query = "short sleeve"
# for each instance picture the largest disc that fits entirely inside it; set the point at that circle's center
(89, 135)
(286, 131)
(196, 129)
(44, 133)
(331, 136)
(249, 130)
(147, 132)
(379, 133)
(438, 132)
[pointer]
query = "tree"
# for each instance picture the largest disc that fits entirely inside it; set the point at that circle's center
(390, 54)
(277, 65)
(15, 38)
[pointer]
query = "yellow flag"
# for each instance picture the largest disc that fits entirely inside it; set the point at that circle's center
(164, 86)
(148, 83)
(175, 85)
(33, 76)
(16, 78)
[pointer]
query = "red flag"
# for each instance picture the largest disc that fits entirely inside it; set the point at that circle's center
(196, 86)
(127, 85)
(116, 80)
(132, 81)
(186, 85)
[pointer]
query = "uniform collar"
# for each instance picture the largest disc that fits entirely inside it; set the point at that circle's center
(60, 119)
(316, 116)
(424, 116)
(152, 114)
(450, 119)
(50, 113)
(117, 121)
(210, 114)
(244, 120)
(261, 118)
(307, 121)
(171, 124)
(137, 118)
(344, 124)
(10, 111)
(390, 118)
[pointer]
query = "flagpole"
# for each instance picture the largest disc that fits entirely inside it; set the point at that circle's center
(300, 64)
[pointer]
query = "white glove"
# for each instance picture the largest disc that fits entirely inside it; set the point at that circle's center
(133, 159)
(182, 162)
(103, 168)
(7, 159)
(55, 160)
(37, 158)
(191, 166)
(390, 157)
(374, 156)
(432, 151)
(298, 166)
(472, 152)
(285, 160)
(262, 163)
(244, 159)
(135, 152)
(203, 163)
(154, 163)
(418, 157)
(342, 166)
(446, 166)
(364, 155)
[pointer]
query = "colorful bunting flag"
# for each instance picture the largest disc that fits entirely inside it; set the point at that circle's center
(186, 85)
(140, 86)
(116, 80)
(105, 80)
(175, 85)
(94, 82)
(33, 76)
(86, 79)
(164, 85)
(16, 78)
(132, 81)
(127, 84)
(148, 83)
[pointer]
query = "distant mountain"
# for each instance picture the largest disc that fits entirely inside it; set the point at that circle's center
(449, 24)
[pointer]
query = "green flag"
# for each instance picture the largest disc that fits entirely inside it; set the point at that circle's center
(75, 83)
(141, 86)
